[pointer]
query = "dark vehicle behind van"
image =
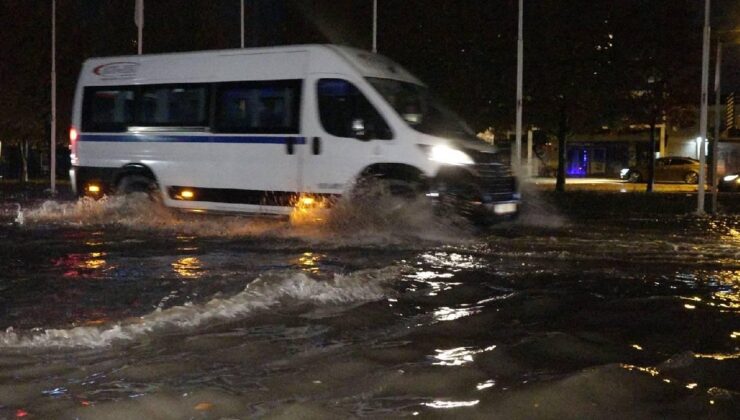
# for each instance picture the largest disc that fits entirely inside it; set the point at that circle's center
(667, 169)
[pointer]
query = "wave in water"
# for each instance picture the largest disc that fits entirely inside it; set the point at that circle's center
(268, 290)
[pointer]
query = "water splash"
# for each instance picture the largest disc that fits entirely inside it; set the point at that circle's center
(10, 210)
(536, 211)
(376, 220)
(20, 219)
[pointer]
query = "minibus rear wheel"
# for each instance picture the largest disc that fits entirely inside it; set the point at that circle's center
(131, 184)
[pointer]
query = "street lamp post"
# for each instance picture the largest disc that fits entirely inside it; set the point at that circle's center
(703, 112)
(519, 88)
(139, 20)
(375, 26)
(715, 141)
(53, 146)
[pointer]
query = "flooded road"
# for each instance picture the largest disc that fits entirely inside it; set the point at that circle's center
(120, 309)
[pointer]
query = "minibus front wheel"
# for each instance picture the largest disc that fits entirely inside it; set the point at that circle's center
(376, 187)
(391, 179)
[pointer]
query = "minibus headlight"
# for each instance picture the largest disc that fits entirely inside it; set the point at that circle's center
(448, 156)
(623, 172)
(730, 178)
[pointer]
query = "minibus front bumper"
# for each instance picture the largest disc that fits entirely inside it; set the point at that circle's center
(481, 191)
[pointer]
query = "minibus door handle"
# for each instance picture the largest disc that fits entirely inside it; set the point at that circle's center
(290, 143)
(316, 146)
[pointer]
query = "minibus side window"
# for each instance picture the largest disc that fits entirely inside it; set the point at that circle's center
(173, 105)
(107, 109)
(345, 112)
(264, 107)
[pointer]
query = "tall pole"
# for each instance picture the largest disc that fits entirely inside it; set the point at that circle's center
(715, 141)
(703, 113)
(519, 89)
(242, 21)
(53, 147)
(375, 26)
(139, 19)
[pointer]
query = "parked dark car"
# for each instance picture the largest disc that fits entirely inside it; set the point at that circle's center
(667, 169)
(729, 183)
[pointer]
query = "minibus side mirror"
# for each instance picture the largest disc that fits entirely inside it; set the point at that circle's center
(360, 131)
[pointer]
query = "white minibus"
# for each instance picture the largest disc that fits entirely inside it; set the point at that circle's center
(250, 130)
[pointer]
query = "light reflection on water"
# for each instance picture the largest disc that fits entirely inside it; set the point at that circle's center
(425, 278)
(484, 385)
(188, 267)
(718, 356)
(457, 356)
(451, 404)
(79, 265)
(451, 314)
(725, 286)
(96, 260)
(727, 231)
(452, 260)
(729, 298)
(309, 262)
(649, 370)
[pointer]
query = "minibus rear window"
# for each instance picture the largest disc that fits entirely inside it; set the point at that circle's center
(173, 105)
(107, 109)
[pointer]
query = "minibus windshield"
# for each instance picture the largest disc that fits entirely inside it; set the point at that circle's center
(419, 109)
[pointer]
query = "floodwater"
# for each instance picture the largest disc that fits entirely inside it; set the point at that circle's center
(121, 309)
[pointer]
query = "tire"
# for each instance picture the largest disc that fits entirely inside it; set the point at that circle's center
(691, 178)
(634, 176)
(390, 193)
(377, 186)
(401, 188)
(131, 184)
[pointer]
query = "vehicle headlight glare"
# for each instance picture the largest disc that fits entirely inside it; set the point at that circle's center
(623, 172)
(449, 156)
(730, 178)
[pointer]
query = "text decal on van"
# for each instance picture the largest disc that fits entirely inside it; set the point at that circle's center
(117, 70)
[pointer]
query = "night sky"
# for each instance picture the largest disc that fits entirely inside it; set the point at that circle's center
(589, 52)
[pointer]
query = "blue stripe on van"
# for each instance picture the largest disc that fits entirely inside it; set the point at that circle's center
(168, 138)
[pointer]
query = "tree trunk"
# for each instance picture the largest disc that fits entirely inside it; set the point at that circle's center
(23, 147)
(651, 158)
(562, 152)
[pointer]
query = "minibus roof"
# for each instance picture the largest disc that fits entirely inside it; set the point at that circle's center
(283, 62)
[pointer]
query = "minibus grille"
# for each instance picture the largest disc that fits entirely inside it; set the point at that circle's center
(497, 181)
